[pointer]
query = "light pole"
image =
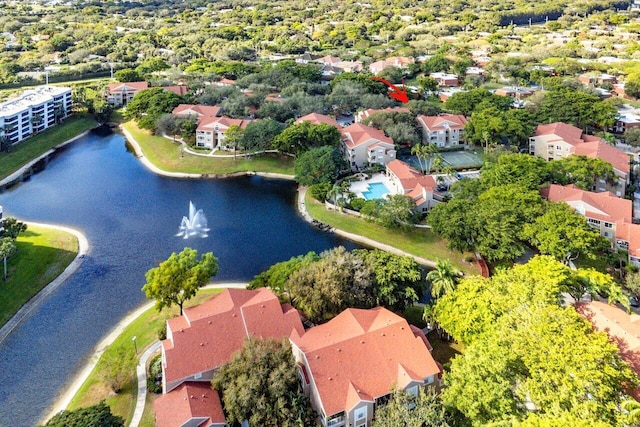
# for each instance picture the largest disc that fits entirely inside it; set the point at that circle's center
(135, 345)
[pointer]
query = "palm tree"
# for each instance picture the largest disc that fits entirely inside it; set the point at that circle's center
(424, 153)
(443, 278)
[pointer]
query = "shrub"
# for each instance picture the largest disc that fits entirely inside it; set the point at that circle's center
(162, 331)
(319, 191)
(357, 203)
(154, 377)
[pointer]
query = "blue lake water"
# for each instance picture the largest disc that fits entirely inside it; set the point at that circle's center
(130, 217)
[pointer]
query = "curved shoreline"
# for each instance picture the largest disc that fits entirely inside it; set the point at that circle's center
(139, 154)
(16, 175)
(62, 401)
(27, 308)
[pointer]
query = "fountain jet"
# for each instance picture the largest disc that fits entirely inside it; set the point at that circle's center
(193, 225)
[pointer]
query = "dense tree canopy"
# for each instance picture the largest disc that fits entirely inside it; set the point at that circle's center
(93, 416)
(318, 165)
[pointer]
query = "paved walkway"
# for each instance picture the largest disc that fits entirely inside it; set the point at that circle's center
(63, 401)
(302, 191)
(141, 371)
(29, 306)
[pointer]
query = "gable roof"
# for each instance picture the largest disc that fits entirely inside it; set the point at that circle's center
(563, 131)
(358, 134)
(604, 206)
(190, 400)
(410, 178)
(316, 118)
(127, 87)
(446, 121)
(361, 354)
(196, 109)
(179, 90)
(223, 123)
(206, 336)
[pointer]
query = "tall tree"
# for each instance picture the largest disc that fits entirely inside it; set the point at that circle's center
(425, 154)
(178, 278)
(424, 410)
(232, 138)
(11, 227)
(260, 385)
(7, 248)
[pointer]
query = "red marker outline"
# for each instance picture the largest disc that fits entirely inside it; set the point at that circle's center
(397, 94)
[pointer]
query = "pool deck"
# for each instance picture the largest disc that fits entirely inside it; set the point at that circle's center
(359, 187)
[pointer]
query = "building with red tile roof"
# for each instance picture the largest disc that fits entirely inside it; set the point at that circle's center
(558, 140)
(316, 119)
(224, 82)
(206, 336)
(180, 90)
(120, 94)
(361, 115)
(351, 364)
(196, 111)
(190, 404)
(623, 329)
(364, 145)
(394, 61)
(444, 131)
(211, 131)
(413, 183)
(609, 214)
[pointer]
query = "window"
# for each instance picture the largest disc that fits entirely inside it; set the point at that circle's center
(197, 376)
(608, 225)
(360, 416)
(559, 148)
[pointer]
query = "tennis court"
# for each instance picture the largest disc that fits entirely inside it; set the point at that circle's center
(462, 159)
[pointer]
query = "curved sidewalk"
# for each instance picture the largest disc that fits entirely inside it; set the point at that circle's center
(27, 308)
(138, 151)
(302, 208)
(64, 400)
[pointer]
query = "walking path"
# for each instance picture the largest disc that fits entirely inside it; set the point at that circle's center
(302, 191)
(27, 308)
(138, 151)
(141, 371)
(63, 401)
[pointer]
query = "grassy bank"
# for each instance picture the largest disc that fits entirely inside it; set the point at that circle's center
(31, 148)
(420, 242)
(144, 328)
(43, 254)
(168, 156)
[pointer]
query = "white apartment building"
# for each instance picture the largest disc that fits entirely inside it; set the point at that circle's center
(34, 111)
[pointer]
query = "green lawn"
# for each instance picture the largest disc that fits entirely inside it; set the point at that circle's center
(166, 155)
(144, 328)
(43, 254)
(419, 241)
(31, 148)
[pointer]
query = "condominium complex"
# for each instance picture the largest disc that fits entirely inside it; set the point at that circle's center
(34, 111)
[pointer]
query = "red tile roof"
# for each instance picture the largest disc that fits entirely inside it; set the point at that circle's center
(223, 123)
(358, 134)
(179, 90)
(316, 119)
(188, 401)
(447, 121)
(622, 328)
(207, 335)
(410, 178)
(568, 133)
(128, 86)
(362, 355)
(630, 233)
(604, 206)
(196, 109)
(596, 148)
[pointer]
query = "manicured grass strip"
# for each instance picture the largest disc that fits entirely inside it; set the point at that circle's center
(166, 155)
(31, 148)
(418, 241)
(144, 328)
(43, 254)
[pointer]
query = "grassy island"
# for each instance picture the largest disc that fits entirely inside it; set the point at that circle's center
(43, 254)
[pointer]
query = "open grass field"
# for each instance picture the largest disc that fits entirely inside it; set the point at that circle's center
(168, 156)
(43, 254)
(32, 148)
(144, 328)
(419, 241)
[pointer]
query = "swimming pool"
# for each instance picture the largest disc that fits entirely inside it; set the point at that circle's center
(375, 190)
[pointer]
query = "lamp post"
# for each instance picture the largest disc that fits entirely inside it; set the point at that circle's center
(135, 345)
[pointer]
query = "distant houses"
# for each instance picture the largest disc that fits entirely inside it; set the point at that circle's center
(34, 111)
